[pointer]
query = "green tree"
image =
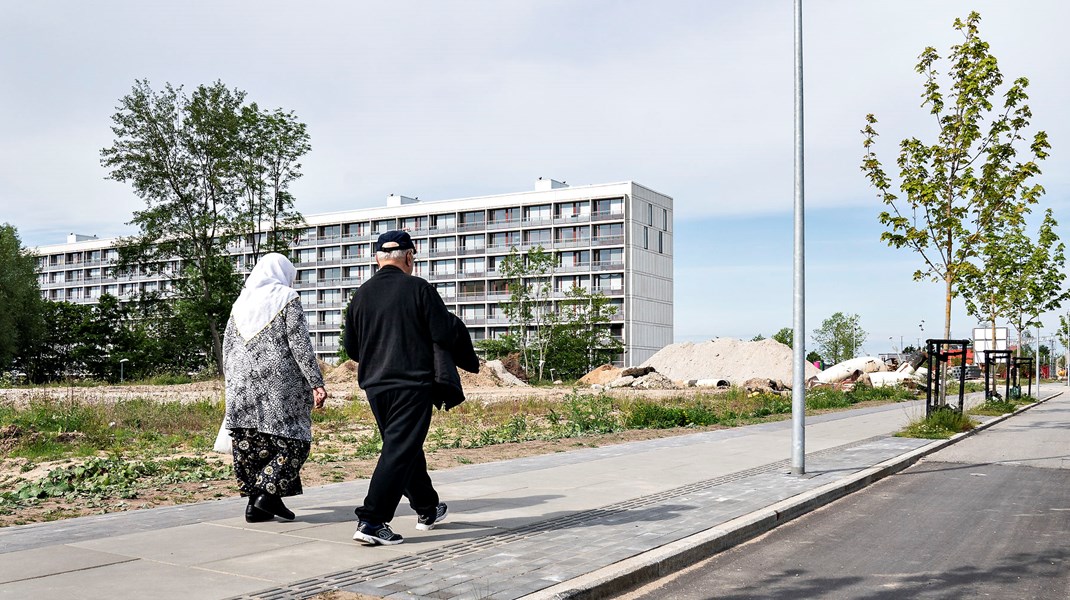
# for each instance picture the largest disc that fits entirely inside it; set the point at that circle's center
(785, 336)
(1016, 277)
(209, 169)
(956, 188)
(21, 319)
(530, 313)
(582, 338)
(757, 338)
(59, 352)
(839, 337)
(270, 144)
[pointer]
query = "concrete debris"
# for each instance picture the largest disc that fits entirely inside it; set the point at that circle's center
(851, 370)
(621, 382)
(636, 371)
(507, 379)
(654, 381)
(758, 384)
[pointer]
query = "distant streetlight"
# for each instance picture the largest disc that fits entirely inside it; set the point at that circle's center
(122, 362)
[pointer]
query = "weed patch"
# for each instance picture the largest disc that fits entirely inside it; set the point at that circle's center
(941, 424)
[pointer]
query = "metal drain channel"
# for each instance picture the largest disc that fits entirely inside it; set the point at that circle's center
(307, 588)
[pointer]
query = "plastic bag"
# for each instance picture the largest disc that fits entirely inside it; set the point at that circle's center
(223, 440)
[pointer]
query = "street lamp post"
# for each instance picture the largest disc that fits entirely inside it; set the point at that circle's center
(122, 363)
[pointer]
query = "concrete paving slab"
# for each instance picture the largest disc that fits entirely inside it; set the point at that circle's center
(190, 544)
(134, 580)
(298, 561)
(28, 564)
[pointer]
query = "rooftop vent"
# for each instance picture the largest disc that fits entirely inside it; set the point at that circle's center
(396, 200)
(543, 184)
(77, 237)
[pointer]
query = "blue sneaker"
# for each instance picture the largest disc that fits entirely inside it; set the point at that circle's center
(428, 521)
(372, 533)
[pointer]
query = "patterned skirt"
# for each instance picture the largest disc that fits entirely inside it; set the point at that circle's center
(268, 463)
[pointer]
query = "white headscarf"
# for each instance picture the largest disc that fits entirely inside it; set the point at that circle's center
(265, 294)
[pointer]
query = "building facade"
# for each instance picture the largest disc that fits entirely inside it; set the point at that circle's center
(611, 238)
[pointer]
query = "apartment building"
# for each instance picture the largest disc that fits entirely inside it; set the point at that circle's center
(613, 238)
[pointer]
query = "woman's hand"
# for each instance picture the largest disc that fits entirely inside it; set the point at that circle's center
(319, 396)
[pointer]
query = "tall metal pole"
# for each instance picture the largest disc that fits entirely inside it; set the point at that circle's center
(1037, 363)
(798, 385)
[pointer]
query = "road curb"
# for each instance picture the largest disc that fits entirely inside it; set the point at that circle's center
(670, 558)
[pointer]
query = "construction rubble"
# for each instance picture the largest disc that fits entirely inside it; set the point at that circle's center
(758, 366)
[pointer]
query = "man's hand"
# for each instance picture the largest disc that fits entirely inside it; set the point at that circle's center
(319, 396)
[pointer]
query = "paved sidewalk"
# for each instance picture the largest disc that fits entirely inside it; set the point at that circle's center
(584, 523)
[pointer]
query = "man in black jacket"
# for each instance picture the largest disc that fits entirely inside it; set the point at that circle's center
(393, 325)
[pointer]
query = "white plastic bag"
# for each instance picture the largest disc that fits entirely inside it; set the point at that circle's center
(222, 440)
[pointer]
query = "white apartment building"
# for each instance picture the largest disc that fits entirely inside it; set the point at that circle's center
(613, 238)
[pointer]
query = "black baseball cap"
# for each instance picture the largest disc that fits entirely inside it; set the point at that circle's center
(394, 240)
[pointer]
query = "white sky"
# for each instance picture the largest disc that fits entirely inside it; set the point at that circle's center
(453, 99)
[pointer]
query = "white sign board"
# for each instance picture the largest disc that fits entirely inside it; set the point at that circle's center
(983, 340)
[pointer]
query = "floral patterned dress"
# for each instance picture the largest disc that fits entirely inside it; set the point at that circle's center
(269, 382)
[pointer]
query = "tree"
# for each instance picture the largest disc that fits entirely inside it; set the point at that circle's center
(839, 337)
(582, 339)
(757, 338)
(1039, 278)
(209, 169)
(21, 319)
(957, 187)
(1017, 278)
(531, 317)
(269, 147)
(785, 336)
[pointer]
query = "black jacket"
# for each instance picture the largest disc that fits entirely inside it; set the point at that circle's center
(392, 326)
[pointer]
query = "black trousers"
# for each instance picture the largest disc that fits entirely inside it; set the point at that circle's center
(403, 418)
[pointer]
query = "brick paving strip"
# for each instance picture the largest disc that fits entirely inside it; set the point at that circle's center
(521, 561)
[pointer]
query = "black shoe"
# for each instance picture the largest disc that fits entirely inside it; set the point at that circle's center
(272, 504)
(376, 534)
(254, 514)
(428, 521)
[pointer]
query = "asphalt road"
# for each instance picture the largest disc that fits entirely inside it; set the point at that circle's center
(988, 517)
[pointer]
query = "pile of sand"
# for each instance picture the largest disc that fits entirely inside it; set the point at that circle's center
(727, 358)
(343, 373)
(600, 375)
(491, 375)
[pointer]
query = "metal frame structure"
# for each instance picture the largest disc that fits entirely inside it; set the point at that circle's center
(1020, 362)
(997, 354)
(937, 353)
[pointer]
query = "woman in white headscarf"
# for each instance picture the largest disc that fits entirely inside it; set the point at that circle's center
(272, 383)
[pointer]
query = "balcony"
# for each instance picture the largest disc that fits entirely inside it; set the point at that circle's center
(607, 265)
(305, 284)
(474, 226)
(440, 252)
(608, 291)
(473, 250)
(607, 216)
(581, 242)
(573, 267)
(608, 240)
(569, 219)
(440, 229)
(441, 276)
(504, 224)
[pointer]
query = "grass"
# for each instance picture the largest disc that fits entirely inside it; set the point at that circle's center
(117, 448)
(939, 425)
(50, 429)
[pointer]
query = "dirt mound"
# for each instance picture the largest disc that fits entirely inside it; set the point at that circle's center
(727, 358)
(343, 373)
(512, 364)
(600, 375)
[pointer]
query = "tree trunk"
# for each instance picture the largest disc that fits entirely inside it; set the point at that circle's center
(947, 305)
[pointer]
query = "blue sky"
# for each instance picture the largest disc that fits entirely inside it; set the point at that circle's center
(444, 100)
